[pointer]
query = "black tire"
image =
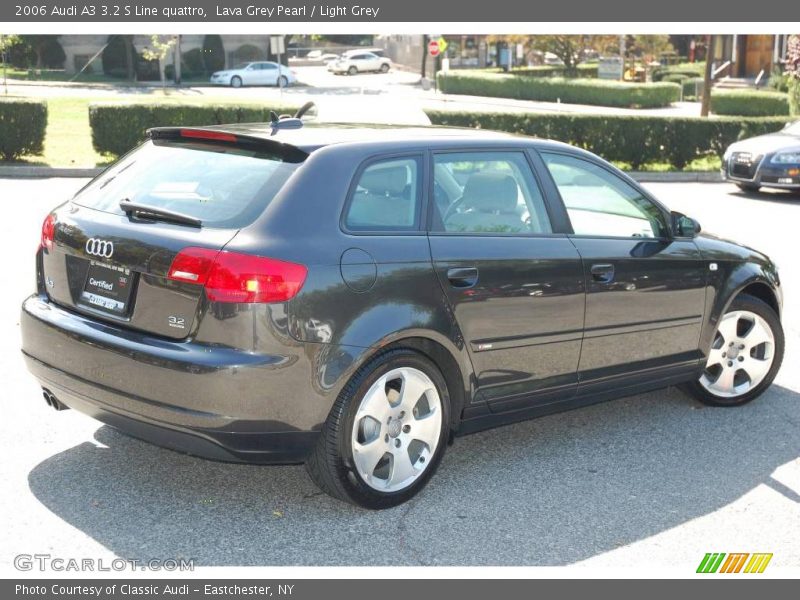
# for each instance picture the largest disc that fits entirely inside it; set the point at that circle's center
(236, 81)
(353, 70)
(748, 187)
(761, 308)
(331, 464)
(384, 68)
(283, 81)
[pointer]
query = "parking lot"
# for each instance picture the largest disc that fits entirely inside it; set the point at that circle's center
(653, 480)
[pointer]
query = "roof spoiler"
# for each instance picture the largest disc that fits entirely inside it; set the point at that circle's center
(287, 152)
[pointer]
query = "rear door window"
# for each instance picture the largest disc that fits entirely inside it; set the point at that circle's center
(223, 186)
(487, 192)
(387, 196)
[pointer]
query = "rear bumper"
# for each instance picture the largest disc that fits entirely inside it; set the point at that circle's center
(116, 379)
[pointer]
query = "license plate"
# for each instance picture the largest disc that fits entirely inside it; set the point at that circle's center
(108, 288)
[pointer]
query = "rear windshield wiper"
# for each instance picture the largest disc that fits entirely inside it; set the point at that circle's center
(155, 213)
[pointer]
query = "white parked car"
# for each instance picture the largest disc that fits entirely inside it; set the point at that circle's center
(255, 73)
(356, 61)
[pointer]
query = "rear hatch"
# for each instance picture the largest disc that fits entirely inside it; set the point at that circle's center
(110, 252)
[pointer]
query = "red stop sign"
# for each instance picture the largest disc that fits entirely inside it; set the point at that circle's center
(433, 48)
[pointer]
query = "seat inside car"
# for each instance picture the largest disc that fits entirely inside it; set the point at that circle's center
(384, 197)
(488, 193)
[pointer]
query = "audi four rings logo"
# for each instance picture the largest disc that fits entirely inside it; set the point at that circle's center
(98, 247)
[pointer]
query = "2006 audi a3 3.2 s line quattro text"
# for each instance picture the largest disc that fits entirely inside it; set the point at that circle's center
(353, 297)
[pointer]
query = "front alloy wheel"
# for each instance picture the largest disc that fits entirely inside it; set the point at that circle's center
(741, 355)
(744, 357)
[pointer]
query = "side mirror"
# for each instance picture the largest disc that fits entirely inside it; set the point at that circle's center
(683, 226)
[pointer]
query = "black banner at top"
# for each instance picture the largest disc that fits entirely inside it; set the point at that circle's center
(390, 11)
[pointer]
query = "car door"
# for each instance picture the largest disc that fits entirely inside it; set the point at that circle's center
(269, 73)
(514, 283)
(251, 74)
(645, 289)
(371, 62)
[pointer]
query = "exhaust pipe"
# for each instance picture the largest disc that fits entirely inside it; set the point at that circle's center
(52, 401)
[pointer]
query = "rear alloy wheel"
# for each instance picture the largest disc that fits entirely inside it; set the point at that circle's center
(384, 68)
(353, 70)
(386, 433)
(745, 355)
(283, 81)
(236, 81)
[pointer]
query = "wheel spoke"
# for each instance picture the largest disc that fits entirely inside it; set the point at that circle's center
(375, 403)
(758, 334)
(715, 357)
(402, 469)
(367, 457)
(413, 388)
(724, 382)
(727, 326)
(427, 428)
(756, 369)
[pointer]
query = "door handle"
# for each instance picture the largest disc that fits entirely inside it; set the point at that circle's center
(602, 273)
(462, 277)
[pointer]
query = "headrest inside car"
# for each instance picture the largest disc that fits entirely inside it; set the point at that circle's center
(385, 181)
(490, 192)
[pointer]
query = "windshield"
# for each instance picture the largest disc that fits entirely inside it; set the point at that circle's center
(223, 186)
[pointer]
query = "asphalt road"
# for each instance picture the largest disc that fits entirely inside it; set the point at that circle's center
(654, 480)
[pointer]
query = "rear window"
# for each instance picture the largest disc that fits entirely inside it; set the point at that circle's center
(223, 186)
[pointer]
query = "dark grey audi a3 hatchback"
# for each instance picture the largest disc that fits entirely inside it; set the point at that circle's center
(354, 297)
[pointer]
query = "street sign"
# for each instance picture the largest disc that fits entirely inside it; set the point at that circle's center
(276, 44)
(433, 48)
(442, 45)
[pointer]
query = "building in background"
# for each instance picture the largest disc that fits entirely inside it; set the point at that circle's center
(749, 55)
(232, 49)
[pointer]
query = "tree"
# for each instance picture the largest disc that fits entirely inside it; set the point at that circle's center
(6, 42)
(47, 49)
(569, 48)
(160, 46)
(213, 53)
(649, 47)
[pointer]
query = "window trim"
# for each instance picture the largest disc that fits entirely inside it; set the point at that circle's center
(619, 175)
(496, 150)
(419, 225)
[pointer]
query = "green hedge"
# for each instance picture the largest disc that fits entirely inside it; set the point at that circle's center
(557, 89)
(118, 127)
(749, 103)
(688, 84)
(685, 69)
(22, 127)
(587, 70)
(636, 140)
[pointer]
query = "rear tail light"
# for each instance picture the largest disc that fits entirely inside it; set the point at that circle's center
(48, 232)
(234, 277)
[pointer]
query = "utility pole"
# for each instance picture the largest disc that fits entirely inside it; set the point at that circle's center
(705, 106)
(176, 60)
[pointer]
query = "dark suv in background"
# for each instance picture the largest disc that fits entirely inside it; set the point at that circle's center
(353, 297)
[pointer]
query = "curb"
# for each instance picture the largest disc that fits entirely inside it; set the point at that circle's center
(676, 177)
(641, 176)
(42, 172)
